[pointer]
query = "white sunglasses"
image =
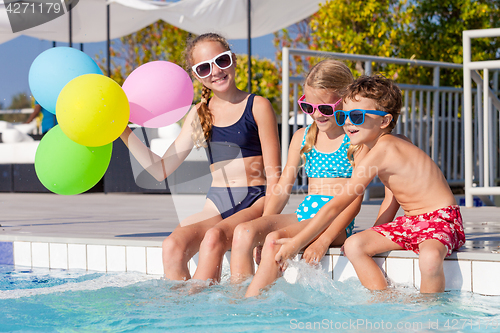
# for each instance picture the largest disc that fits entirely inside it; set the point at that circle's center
(204, 68)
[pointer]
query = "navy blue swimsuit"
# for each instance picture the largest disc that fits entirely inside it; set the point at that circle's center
(238, 140)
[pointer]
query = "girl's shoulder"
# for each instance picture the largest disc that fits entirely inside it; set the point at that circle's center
(261, 103)
(262, 109)
(298, 139)
(260, 99)
(299, 134)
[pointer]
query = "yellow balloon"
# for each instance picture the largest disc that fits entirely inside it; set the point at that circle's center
(92, 110)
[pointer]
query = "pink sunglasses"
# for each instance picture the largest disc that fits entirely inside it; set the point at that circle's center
(325, 109)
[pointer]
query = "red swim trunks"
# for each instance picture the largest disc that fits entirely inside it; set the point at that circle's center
(444, 225)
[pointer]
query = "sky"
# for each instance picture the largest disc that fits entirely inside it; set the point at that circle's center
(17, 55)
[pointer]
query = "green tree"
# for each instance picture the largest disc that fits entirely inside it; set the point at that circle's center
(346, 26)
(420, 29)
(297, 36)
(20, 101)
(265, 79)
(435, 33)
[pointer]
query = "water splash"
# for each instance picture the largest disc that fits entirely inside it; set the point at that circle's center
(137, 302)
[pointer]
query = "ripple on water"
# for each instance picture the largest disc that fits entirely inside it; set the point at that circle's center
(82, 301)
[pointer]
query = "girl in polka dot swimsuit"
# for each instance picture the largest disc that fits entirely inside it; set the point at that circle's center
(324, 148)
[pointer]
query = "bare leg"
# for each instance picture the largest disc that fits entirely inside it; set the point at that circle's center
(247, 236)
(360, 248)
(431, 257)
(340, 240)
(269, 270)
(218, 240)
(185, 241)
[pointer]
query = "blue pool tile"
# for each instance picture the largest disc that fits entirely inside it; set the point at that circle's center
(6, 253)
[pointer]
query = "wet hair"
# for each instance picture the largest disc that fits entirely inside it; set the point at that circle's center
(383, 91)
(327, 74)
(202, 129)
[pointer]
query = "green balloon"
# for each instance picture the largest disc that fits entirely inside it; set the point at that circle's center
(66, 167)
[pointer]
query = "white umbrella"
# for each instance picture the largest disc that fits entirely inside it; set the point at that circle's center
(100, 20)
(229, 17)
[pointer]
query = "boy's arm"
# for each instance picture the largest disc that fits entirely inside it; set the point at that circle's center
(388, 208)
(281, 192)
(329, 212)
(318, 248)
(362, 176)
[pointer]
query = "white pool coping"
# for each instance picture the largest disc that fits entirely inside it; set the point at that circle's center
(47, 244)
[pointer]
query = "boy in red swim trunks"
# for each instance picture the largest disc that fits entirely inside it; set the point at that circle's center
(432, 224)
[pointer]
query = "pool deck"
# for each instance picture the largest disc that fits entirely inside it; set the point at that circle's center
(124, 232)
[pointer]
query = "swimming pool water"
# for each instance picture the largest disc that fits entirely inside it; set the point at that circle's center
(45, 300)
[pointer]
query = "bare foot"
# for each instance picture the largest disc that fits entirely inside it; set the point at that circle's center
(198, 286)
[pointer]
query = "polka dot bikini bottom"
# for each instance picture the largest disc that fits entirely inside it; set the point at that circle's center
(312, 204)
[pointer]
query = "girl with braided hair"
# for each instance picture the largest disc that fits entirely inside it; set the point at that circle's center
(232, 126)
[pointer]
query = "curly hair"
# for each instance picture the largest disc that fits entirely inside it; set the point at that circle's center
(383, 91)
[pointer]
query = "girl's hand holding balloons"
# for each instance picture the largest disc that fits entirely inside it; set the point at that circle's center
(93, 110)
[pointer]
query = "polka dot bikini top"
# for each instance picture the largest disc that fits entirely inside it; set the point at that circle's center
(332, 165)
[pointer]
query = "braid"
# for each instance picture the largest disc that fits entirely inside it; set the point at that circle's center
(311, 136)
(202, 128)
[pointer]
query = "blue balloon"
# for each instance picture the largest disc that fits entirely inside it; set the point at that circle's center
(53, 69)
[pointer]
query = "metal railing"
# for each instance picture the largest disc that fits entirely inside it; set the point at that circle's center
(17, 111)
(481, 122)
(27, 111)
(431, 116)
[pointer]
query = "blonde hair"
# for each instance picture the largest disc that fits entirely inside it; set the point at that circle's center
(202, 129)
(327, 74)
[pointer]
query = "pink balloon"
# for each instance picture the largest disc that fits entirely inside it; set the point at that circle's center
(160, 93)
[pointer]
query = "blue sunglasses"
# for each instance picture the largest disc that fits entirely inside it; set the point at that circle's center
(357, 116)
